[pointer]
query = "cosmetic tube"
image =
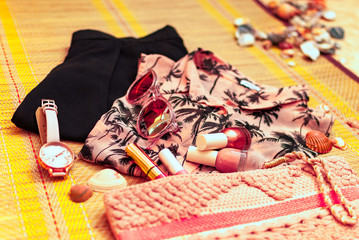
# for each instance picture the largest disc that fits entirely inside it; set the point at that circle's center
(226, 160)
(144, 161)
(171, 162)
(232, 137)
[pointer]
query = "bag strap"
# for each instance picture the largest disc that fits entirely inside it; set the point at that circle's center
(350, 218)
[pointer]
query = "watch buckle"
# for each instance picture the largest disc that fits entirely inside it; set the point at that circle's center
(48, 104)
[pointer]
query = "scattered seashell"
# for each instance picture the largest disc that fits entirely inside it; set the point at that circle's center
(318, 142)
(245, 28)
(286, 11)
(354, 123)
(240, 21)
(80, 193)
(323, 108)
(246, 39)
(291, 64)
(287, 53)
(298, 21)
(339, 143)
(336, 32)
(317, 31)
(107, 179)
(329, 15)
(276, 38)
(267, 44)
(272, 4)
(260, 35)
(285, 45)
(326, 47)
(310, 50)
(323, 37)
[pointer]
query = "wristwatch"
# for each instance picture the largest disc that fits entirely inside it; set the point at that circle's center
(54, 156)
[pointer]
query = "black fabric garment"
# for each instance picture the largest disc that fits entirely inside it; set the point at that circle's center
(98, 69)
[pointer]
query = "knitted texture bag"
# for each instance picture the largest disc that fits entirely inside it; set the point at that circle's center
(278, 203)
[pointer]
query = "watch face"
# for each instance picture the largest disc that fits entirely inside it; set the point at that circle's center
(56, 155)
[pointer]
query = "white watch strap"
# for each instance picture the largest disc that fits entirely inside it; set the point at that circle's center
(52, 125)
(57, 174)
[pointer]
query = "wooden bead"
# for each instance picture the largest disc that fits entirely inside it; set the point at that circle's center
(80, 193)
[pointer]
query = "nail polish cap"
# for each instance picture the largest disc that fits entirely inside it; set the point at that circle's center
(211, 141)
(206, 157)
(171, 162)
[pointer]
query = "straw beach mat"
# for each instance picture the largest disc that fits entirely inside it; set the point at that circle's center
(34, 38)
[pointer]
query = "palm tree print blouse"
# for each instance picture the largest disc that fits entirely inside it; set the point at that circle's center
(208, 94)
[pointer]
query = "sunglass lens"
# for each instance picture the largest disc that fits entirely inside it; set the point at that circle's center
(141, 86)
(156, 117)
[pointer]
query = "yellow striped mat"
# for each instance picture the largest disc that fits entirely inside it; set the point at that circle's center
(34, 38)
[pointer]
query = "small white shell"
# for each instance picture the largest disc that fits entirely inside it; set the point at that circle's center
(329, 15)
(339, 143)
(246, 39)
(323, 108)
(107, 179)
(310, 50)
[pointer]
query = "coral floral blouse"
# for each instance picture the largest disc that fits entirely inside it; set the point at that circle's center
(208, 94)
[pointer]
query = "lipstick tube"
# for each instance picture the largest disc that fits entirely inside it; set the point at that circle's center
(171, 163)
(144, 161)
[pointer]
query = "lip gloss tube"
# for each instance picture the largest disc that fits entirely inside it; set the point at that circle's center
(144, 161)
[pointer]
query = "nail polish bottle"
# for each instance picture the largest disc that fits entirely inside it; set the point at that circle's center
(232, 137)
(171, 162)
(226, 160)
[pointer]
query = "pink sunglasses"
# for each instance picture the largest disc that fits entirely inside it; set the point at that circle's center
(157, 116)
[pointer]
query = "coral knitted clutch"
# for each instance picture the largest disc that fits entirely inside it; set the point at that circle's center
(278, 203)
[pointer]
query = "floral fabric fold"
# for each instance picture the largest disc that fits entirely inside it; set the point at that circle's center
(208, 94)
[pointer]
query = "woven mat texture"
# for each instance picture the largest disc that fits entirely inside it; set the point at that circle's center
(34, 38)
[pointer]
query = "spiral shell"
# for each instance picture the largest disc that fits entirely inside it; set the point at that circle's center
(339, 143)
(318, 142)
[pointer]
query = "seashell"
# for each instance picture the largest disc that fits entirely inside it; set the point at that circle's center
(246, 28)
(354, 123)
(107, 179)
(291, 63)
(318, 142)
(310, 50)
(339, 143)
(246, 39)
(285, 45)
(286, 11)
(336, 32)
(287, 53)
(240, 21)
(267, 44)
(276, 38)
(80, 193)
(323, 37)
(260, 35)
(329, 15)
(323, 108)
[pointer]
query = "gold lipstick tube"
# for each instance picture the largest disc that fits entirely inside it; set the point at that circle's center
(144, 161)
